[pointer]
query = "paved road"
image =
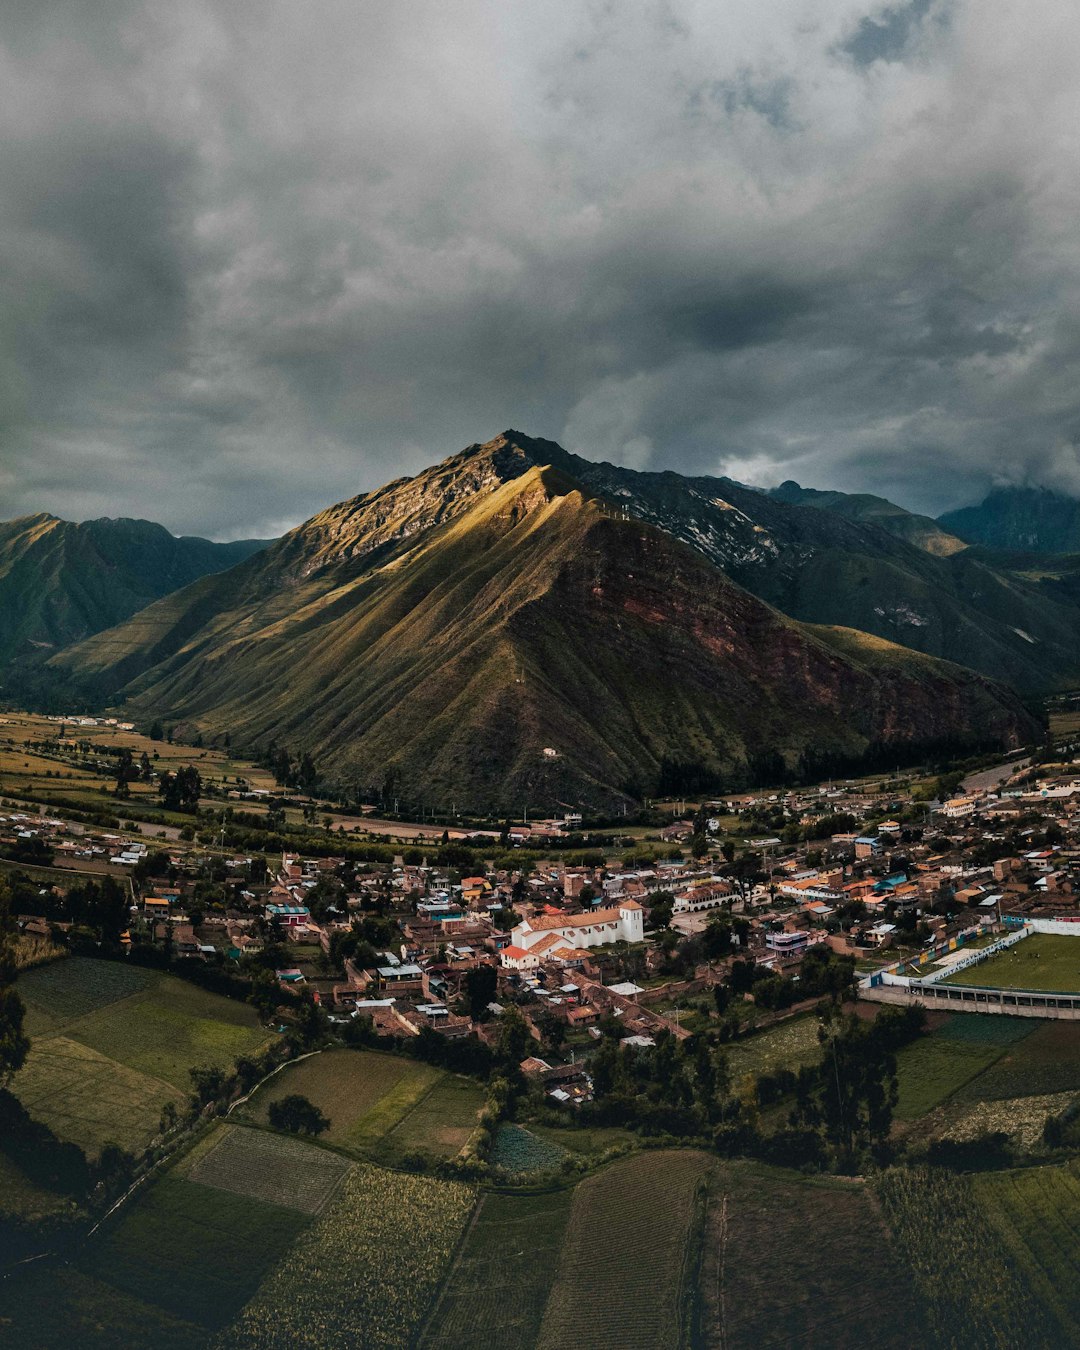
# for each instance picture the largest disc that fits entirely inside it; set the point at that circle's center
(988, 779)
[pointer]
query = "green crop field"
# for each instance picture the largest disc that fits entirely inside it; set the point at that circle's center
(1047, 1061)
(1036, 1213)
(89, 1099)
(272, 1168)
(499, 1285)
(196, 1252)
(1045, 961)
(53, 1307)
(112, 1044)
(973, 1292)
(346, 1085)
(441, 1122)
(366, 1271)
(624, 1275)
(789, 1261)
(788, 1045)
(517, 1150)
(935, 1066)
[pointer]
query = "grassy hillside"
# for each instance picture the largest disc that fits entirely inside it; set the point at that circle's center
(534, 647)
(867, 509)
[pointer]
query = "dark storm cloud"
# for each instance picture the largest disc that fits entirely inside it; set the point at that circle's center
(258, 259)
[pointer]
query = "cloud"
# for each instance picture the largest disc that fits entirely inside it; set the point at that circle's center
(264, 258)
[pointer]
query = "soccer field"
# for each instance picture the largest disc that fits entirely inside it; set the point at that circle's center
(1044, 961)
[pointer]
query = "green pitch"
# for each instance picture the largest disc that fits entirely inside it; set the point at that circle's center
(1044, 961)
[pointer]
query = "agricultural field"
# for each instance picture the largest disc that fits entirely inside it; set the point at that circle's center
(112, 1044)
(499, 1285)
(365, 1273)
(1046, 1061)
(787, 1045)
(440, 1123)
(790, 1261)
(89, 1099)
(196, 1252)
(380, 1106)
(518, 1150)
(588, 1141)
(940, 1063)
(972, 1292)
(1043, 961)
(1036, 1213)
(625, 1272)
(1021, 1118)
(346, 1086)
(272, 1168)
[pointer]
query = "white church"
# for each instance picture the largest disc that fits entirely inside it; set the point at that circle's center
(624, 924)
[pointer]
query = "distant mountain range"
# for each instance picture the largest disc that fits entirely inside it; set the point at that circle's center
(1031, 520)
(60, 581)
(520, 625)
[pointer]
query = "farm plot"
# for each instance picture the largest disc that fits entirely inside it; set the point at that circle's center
(1037, 1215)
(936, 1065)
(788, 1045)
(441, 1122)
(828, 1239)
(271, 1168)
(170, 1028)
(364, 1273)
(346, 1085)
(497, 1289)
(972, 1293)
(65, 990)
(520, 1151)
(636, 1216)
(1021, 1118)
(1047, 1061)
(57, 1308)
(197, 1253)
(1046, 961)
(89, 1099)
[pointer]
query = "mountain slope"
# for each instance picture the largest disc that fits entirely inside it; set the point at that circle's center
(1030, 520)
(867, 509)
(451, 656)
(60, 581)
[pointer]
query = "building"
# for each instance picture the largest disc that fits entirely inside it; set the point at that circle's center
(788, 944)
(624, 924)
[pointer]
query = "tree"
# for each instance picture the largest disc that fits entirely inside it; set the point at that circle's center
(480, 987)
(14, 1043)
(297, 1115)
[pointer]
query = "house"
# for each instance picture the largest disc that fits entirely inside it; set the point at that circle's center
(518, 958)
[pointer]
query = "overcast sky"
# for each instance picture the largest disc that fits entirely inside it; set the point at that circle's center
(259, 257)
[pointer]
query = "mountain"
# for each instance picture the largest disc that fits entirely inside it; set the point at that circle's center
(919, 530)
(497, 633)
(61, 581)
(1031, 520)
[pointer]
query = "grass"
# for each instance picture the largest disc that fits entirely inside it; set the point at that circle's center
(271, 1168)
(789, 1261)
(1047, 1061)
(170, 1029)
(624, 1271)
(787, 1045)
(939, 1064)
(366, 1271)
(1044, 961)
(196, 1252)
(441, 1121)
(24, 1199)
(346, 1085)
(89, 1099)
(973, 1293)
(497, 1290)
(58, 1308)
(1036, 1213)
(59, 993)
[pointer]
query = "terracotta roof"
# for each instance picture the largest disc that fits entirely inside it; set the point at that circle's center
(576, 920)
(515, 953)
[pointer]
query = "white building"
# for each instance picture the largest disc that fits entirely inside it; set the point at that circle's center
(624, 924)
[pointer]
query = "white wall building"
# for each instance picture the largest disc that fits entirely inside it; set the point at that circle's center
(624, 924)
